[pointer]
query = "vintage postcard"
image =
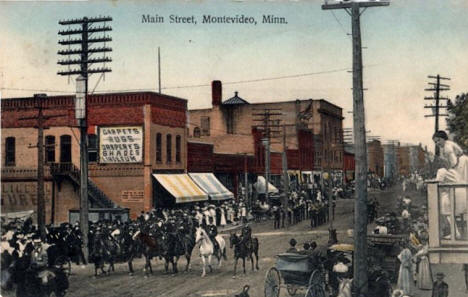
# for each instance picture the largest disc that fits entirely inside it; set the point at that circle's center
(234, 148)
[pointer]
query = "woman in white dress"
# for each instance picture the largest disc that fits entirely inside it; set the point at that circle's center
(424, 278)
(223, 215)
(455, 171)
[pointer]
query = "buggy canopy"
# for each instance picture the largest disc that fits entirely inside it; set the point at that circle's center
(182, 187)
(260, 186)
(212, 186)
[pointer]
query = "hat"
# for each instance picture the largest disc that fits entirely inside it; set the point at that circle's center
(440, 274)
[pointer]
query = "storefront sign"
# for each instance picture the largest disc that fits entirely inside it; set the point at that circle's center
(132, 196)
(120, 144)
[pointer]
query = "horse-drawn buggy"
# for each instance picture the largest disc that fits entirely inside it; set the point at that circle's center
(294, 271)
(384, 249)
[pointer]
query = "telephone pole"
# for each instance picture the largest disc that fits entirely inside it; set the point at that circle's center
(269, 127)
(360, 277)
(86, 31)
(437, 87)
(40, 120)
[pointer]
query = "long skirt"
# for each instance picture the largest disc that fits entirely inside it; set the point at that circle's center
(404, 280)
(424, 275)
(223, 218)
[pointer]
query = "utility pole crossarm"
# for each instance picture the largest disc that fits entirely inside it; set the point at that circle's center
(86, 36)
(328, 6)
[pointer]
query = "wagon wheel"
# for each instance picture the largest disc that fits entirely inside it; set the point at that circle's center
(292, 290)
(272, 283)
(316, 278)
(315, 291)
(316, 285)
(64, 263)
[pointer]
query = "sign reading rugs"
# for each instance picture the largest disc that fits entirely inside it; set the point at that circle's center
(121, 144)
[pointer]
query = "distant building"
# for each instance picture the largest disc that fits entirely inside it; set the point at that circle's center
(390, 160)
(313, 132)
(404, 165)
(349, 164)
(375, 158)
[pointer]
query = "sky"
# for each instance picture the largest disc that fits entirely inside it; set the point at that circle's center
(309, 57)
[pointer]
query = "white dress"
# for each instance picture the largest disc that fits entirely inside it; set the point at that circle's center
(223, 217)
(457, 173)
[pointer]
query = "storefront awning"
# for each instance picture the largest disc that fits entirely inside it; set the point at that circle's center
(212, 186)
(260, 186)
(182, 187)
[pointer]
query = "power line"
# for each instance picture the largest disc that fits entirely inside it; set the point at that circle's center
(198, 85)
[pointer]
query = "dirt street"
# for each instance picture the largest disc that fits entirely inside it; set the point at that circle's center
(221, 281)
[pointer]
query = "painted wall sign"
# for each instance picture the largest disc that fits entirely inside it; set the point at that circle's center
(132, 196)
(121, 144)
(23, 196)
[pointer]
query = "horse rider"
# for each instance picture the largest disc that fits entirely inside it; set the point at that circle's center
(212, 231)
(246, 236)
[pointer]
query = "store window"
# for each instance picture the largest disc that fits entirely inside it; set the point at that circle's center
(10, 151)
(196, 132)
(50, 149)
(177, 156)
(158, 148)
(169, 148)
(65, 149)
(205, 125)
(92, 148)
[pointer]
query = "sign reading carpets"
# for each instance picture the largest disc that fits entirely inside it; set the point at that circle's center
(132, 196)
(121, 144)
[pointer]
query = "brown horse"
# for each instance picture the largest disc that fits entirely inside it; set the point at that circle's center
(153, 246)
(243, 248)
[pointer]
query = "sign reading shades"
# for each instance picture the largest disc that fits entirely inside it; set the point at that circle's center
(121, 144)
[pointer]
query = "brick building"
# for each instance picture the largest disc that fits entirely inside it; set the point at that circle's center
(313, 132)
(404, 160)
(349, 162)
(390, 160)
(375, 157)
(131, 136)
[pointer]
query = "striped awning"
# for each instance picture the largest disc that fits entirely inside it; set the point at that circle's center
(182, 187)
(212, 186)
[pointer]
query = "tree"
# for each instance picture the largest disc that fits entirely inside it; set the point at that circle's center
(457, 121)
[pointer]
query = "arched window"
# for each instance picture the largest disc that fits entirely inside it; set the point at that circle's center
(177, 149)
(169, 148)
(50, 149)
(158, 148)
(65, 149)
(10, 151)
(196, 132)
(92, 148)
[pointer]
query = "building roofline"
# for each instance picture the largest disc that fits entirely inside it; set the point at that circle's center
(328, 102)
(61, 100)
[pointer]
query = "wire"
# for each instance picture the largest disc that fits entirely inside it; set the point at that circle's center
(341, 25)
(198, 85)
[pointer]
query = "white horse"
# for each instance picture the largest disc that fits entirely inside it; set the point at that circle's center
(207, 248)
(344, 289)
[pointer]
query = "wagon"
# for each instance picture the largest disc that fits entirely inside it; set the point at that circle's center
(295, 271)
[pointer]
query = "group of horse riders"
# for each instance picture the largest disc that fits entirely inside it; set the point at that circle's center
(173, 231)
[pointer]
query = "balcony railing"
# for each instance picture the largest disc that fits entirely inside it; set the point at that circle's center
(71, 171)
(448, 222)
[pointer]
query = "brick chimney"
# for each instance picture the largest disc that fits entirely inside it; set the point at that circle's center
(216, 92)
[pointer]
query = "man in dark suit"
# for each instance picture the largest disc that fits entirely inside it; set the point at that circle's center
(440, 288)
